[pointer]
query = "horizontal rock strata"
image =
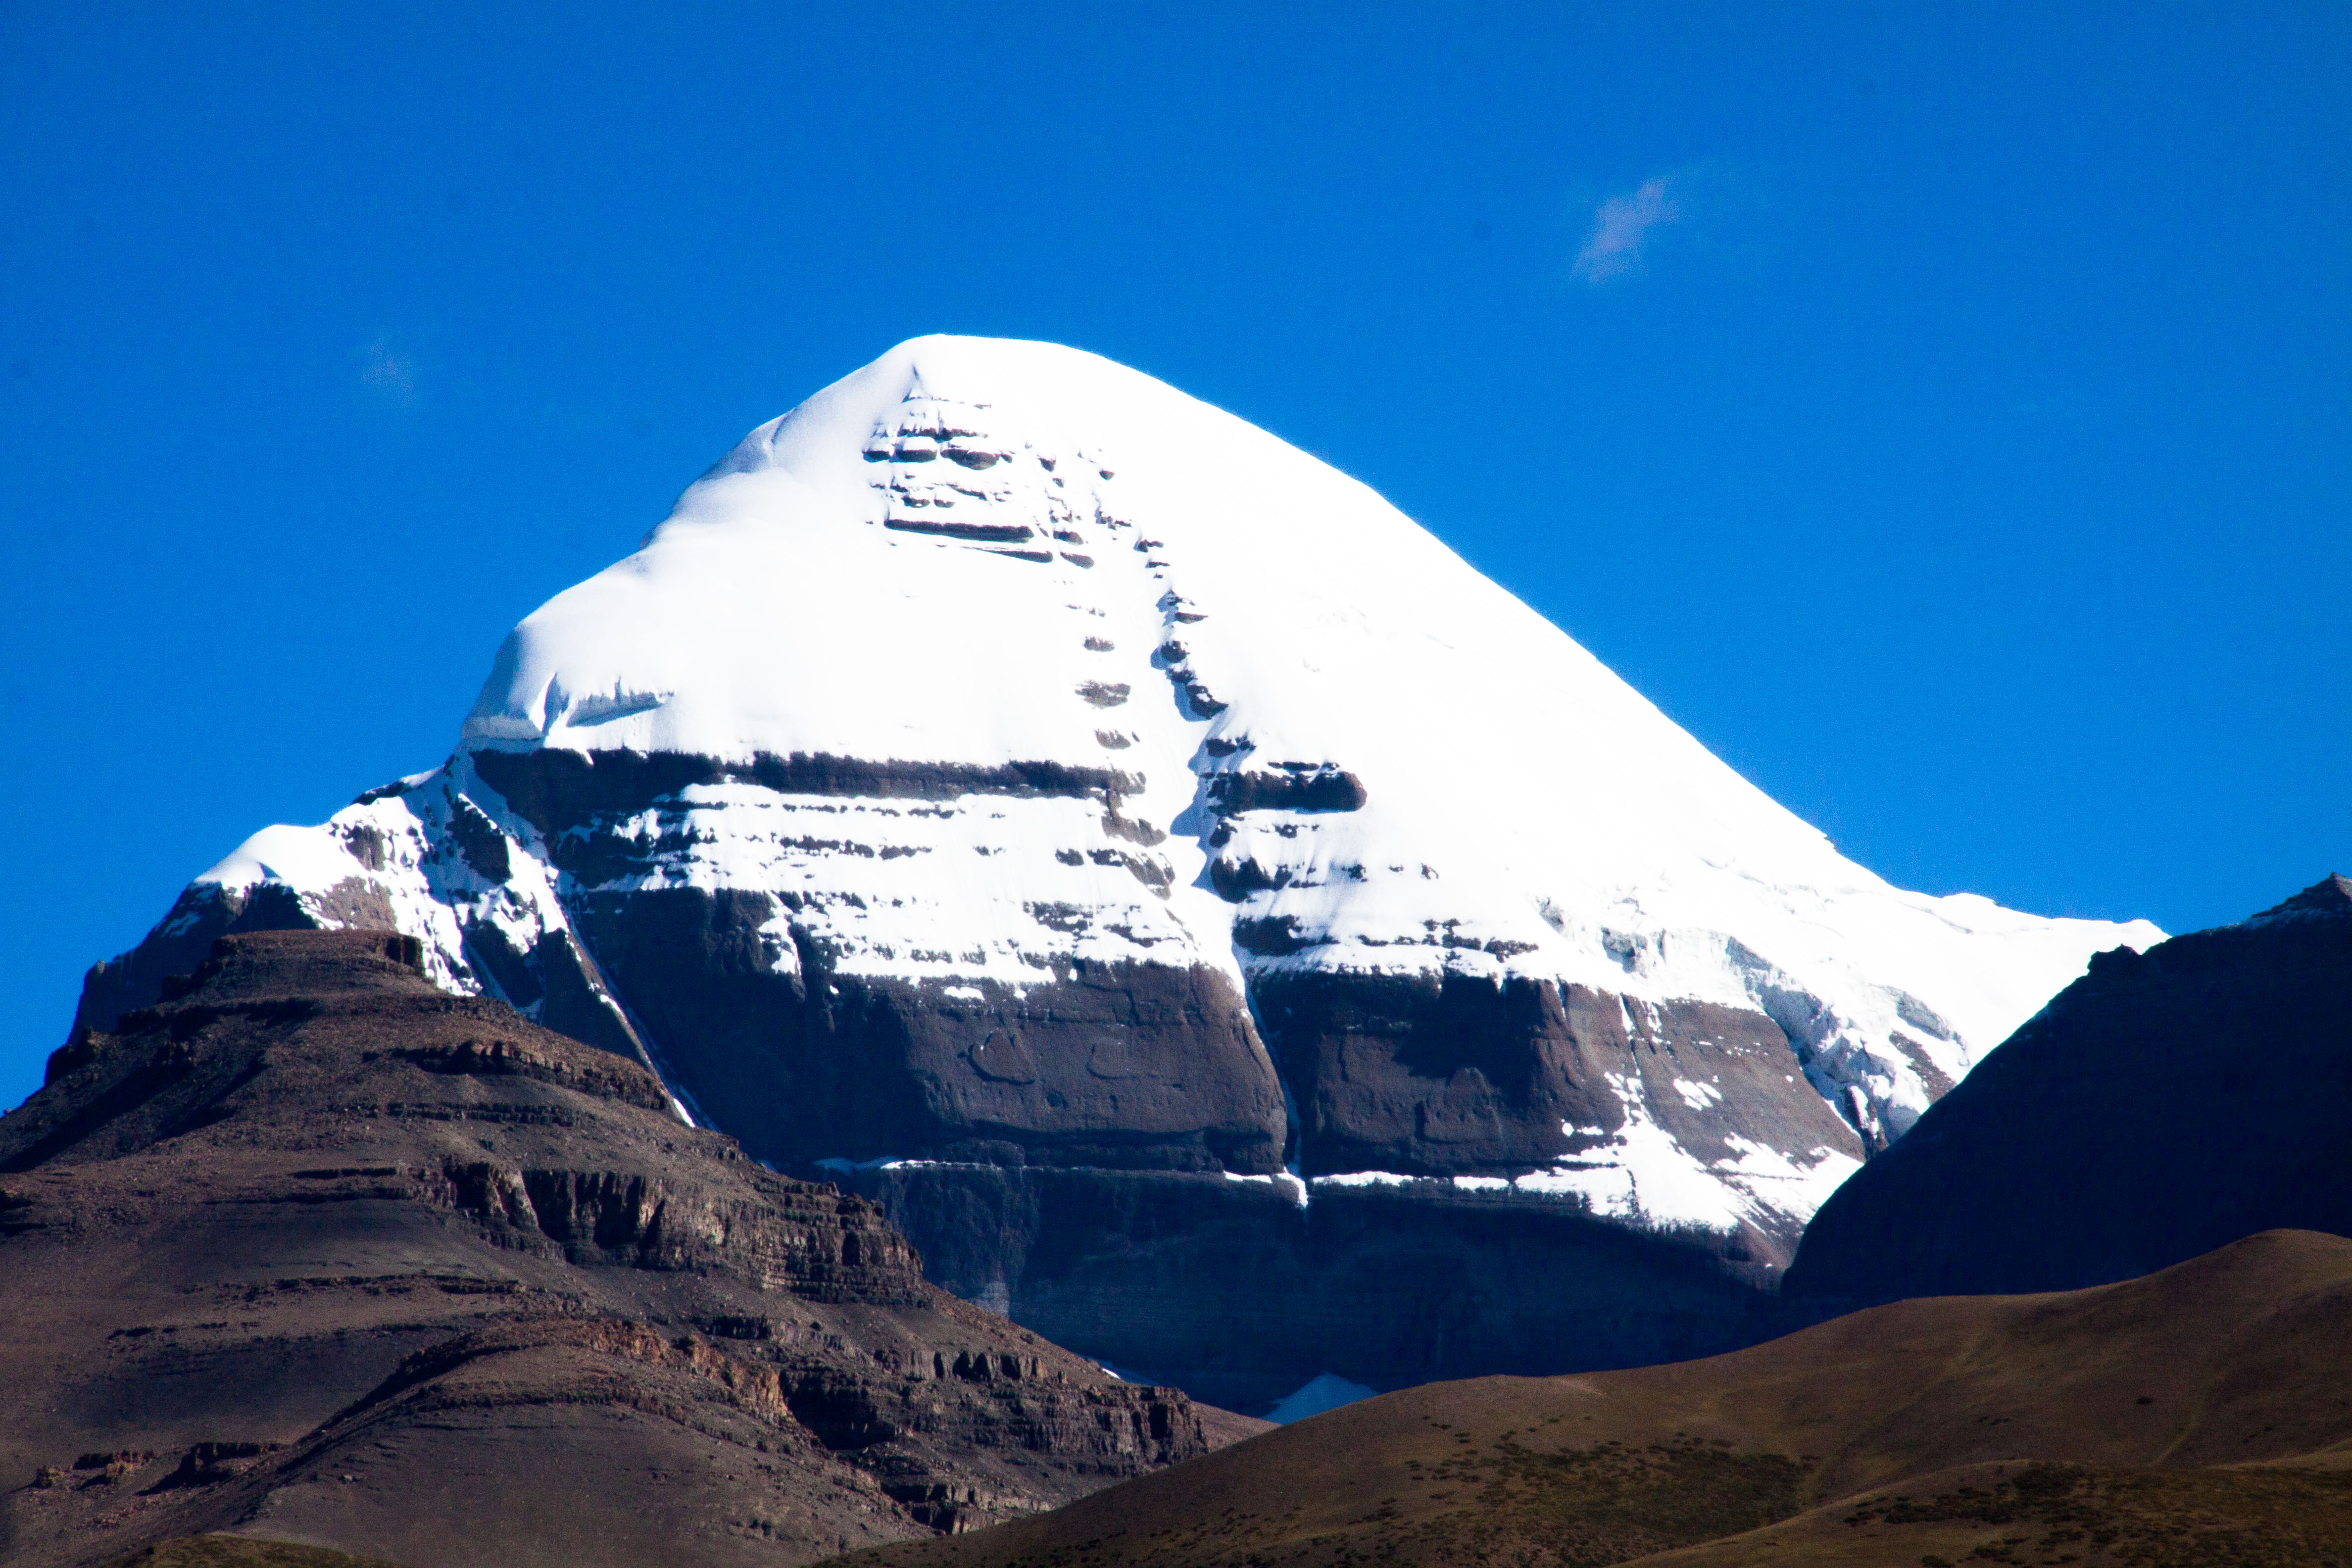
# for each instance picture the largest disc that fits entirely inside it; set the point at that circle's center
(313, 1247)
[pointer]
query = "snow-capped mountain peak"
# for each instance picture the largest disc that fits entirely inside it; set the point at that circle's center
(1004, 758)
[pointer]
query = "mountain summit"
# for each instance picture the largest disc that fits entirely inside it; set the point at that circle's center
(1052, 803)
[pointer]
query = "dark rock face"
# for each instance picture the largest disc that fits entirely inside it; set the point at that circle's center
(1128, 1066)
(1229, 1288)
(557, 791)
(1237, 1290)
(2166, 1103)
(311, 1247)
(1459, 1076)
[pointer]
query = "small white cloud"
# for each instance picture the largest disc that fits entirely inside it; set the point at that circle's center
(1619, 225)
(390, 374)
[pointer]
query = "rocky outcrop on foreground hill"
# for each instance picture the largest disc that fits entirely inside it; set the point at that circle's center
(313, 1250)
(1227, 933)
(2166, 1103)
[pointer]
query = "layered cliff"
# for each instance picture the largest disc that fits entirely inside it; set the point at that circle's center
(311, 1250)
(1088, 825)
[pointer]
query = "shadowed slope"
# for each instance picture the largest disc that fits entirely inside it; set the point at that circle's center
(2166, 1103)
(2242, 1357)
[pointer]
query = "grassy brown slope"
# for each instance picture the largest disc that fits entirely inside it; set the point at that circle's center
(2258, 1516)
(241, 1552)
(2243, 1355)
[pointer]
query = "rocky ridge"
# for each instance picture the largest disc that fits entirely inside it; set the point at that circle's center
(313, 1250)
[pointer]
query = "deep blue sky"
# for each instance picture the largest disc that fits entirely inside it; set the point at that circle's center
(1945, 413)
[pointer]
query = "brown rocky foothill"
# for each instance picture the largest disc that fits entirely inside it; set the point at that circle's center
(311, 1251)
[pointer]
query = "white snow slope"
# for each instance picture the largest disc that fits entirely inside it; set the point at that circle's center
(978, 553)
